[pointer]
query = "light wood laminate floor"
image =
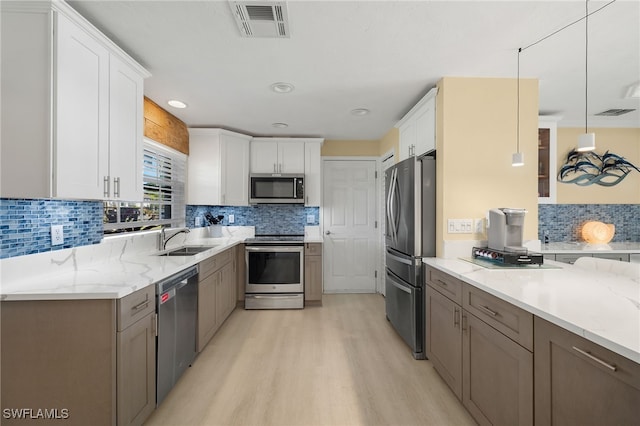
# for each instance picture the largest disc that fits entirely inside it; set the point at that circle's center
(339, 364)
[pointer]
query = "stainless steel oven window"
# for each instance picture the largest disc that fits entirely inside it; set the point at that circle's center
(274, 265)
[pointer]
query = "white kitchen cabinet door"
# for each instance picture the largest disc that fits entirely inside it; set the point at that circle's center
(312, 174)
(125, 131)
(81, 150)
(218, 168)
(264, 157)
(291, 157)
(272, 155)
(418, 127)
(425, 123)
(235, 169)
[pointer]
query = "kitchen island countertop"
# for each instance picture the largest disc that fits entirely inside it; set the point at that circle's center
(582, 247)
(599, 306)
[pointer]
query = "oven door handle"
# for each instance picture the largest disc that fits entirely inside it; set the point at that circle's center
(252, 296)
(299, 249)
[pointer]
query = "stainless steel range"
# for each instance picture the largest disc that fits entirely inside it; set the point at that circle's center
(275, 272)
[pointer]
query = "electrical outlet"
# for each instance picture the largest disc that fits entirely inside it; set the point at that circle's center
(311, 218)
(57, 235)
(198, 221)
(478, 226)
(232, 218)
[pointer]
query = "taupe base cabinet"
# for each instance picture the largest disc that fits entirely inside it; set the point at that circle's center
(488, 371)
(313, 274)
(483, 348)
(581, 383)
(216, 293)
(87, 362)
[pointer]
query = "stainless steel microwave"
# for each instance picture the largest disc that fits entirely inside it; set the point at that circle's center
(267, 188)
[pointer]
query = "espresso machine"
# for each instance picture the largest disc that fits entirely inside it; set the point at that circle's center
(505, 232)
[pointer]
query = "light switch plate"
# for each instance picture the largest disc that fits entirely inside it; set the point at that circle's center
(198, 221)
(57, 235)
(232, 218)
(311, 218)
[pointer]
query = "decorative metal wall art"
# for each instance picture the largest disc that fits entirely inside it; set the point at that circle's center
(588, 168)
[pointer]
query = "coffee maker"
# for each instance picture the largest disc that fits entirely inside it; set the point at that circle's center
(505, 233)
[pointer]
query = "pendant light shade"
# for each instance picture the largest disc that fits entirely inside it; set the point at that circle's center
(586, 142)
(517, 159)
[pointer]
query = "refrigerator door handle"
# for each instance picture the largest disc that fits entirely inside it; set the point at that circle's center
(392, 206)
(395, 283)
(399, 259)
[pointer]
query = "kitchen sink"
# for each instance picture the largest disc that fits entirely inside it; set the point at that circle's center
(186, 250)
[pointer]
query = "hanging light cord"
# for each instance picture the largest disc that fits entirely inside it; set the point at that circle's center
(568, 25)
(518, 103)
(586, 61)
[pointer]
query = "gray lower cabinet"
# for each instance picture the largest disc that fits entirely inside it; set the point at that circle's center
(89, 362)
(313, 273)
(217, 283)
(136, 360)
(489, 371)
(581, 383)
(572, 257)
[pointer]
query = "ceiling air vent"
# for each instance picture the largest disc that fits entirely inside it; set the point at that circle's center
(261, 19)
(614, 112)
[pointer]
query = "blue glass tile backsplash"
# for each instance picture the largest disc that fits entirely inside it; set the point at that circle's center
(562, 222)
(285, 219)
(25, 224)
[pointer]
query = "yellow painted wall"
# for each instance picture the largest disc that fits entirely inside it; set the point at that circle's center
(475, 138)
(361, 148)
(390, 141)
(623, 142)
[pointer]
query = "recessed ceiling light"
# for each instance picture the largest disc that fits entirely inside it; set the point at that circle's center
(280, 125)
(177, 104)
(282, 87)
(360, 111)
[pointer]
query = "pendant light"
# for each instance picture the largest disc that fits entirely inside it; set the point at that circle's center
(517, 159)
(586, 141)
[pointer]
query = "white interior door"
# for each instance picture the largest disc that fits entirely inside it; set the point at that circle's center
(349, 221)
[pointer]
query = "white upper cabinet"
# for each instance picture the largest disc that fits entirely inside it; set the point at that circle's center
(418, 127)
(312, 172)
(76, 124)
(218, 168)
(273, 155)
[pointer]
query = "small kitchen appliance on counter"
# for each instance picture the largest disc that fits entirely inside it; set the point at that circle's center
(505, 232)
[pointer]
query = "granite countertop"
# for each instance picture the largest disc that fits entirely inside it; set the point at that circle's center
(600, 306)
(581, 247)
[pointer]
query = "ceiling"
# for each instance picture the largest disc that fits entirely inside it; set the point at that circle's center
(379, 55)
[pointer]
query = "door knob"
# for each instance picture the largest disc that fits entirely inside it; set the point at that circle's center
(328, 232)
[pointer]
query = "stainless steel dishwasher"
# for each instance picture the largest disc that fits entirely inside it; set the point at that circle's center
(177, 307)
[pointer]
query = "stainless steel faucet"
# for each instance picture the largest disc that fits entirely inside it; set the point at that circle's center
(163, 239)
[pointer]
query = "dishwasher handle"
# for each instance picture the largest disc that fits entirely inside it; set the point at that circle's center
(177, 280)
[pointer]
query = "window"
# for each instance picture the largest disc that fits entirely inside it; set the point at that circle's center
(164, 177)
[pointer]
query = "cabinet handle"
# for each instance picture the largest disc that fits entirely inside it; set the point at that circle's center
(275, 170)
(223, 198)
(596, 359)
(464, 322)
(442, 283)
(456, 318)
(106, 182)
(489, 311)
(116, 187)
(141, 305)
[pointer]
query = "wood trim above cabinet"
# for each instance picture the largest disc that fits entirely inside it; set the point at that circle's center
(165, 128)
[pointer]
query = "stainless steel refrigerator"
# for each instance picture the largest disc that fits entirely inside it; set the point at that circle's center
(410, 196)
